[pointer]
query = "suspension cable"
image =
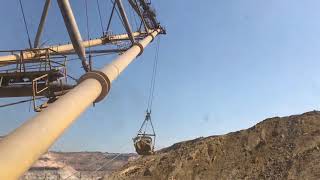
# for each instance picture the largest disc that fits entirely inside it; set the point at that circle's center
(133, 17)
(18, 102)
(119, 16)
(153, 78)
(111, 160)
(88, 34)
(111, 15)
(25, 23)
(117, 12)
(100, 17)
(123, 147)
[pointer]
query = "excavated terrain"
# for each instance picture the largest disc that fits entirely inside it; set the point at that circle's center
(76, 165)
(276, 148)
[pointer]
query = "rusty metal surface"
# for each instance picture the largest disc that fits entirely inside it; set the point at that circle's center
(26, 91)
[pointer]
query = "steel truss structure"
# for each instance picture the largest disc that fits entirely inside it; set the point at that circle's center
(41, 72)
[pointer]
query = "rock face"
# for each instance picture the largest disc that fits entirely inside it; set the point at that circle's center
(276, 148)
(76, 165)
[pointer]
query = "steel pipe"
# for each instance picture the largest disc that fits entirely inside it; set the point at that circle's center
(22, 147)
(125, 20)
(96, 51)
(73, 31)
(67, 47)
(42, 22)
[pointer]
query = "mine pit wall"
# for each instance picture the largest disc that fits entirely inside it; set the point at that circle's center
(59, 175)
(41, 174)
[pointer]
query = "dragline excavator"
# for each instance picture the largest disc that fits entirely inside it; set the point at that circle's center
(41, 73)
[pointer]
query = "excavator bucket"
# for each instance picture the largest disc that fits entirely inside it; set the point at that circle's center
(143, 145)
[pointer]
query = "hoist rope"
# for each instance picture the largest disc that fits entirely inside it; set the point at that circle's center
(25, 23)
(144, 127)
(153, 77)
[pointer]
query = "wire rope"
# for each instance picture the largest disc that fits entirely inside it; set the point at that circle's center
(25, 23)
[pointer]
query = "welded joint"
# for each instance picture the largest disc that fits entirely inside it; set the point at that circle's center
(103, 80)
(140, 46)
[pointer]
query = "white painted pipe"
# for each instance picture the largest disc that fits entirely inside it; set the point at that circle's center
(42, 22)
(60, 49)
(73, 31)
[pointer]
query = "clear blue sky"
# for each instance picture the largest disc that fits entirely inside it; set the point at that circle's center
(224, 66)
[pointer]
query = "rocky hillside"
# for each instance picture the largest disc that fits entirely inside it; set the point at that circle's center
(276, 148)
(76, 165)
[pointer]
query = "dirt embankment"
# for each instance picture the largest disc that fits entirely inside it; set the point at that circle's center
(76, 165)
(276, 148)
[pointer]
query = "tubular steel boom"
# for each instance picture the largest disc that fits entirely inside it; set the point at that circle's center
(22, 147)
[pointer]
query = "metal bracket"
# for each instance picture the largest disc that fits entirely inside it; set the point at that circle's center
(140, 46)
(103, 80)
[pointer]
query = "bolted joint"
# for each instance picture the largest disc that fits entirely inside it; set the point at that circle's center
(102, 78)
(140, 46)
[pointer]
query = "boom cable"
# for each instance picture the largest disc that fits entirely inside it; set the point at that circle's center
(25, 23)
(117, 12)
(111, 15)
(100, 17)
(133, 18)
(88, 34)
(18, 102)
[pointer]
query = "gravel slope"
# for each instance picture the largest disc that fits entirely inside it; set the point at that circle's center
(276, 148)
